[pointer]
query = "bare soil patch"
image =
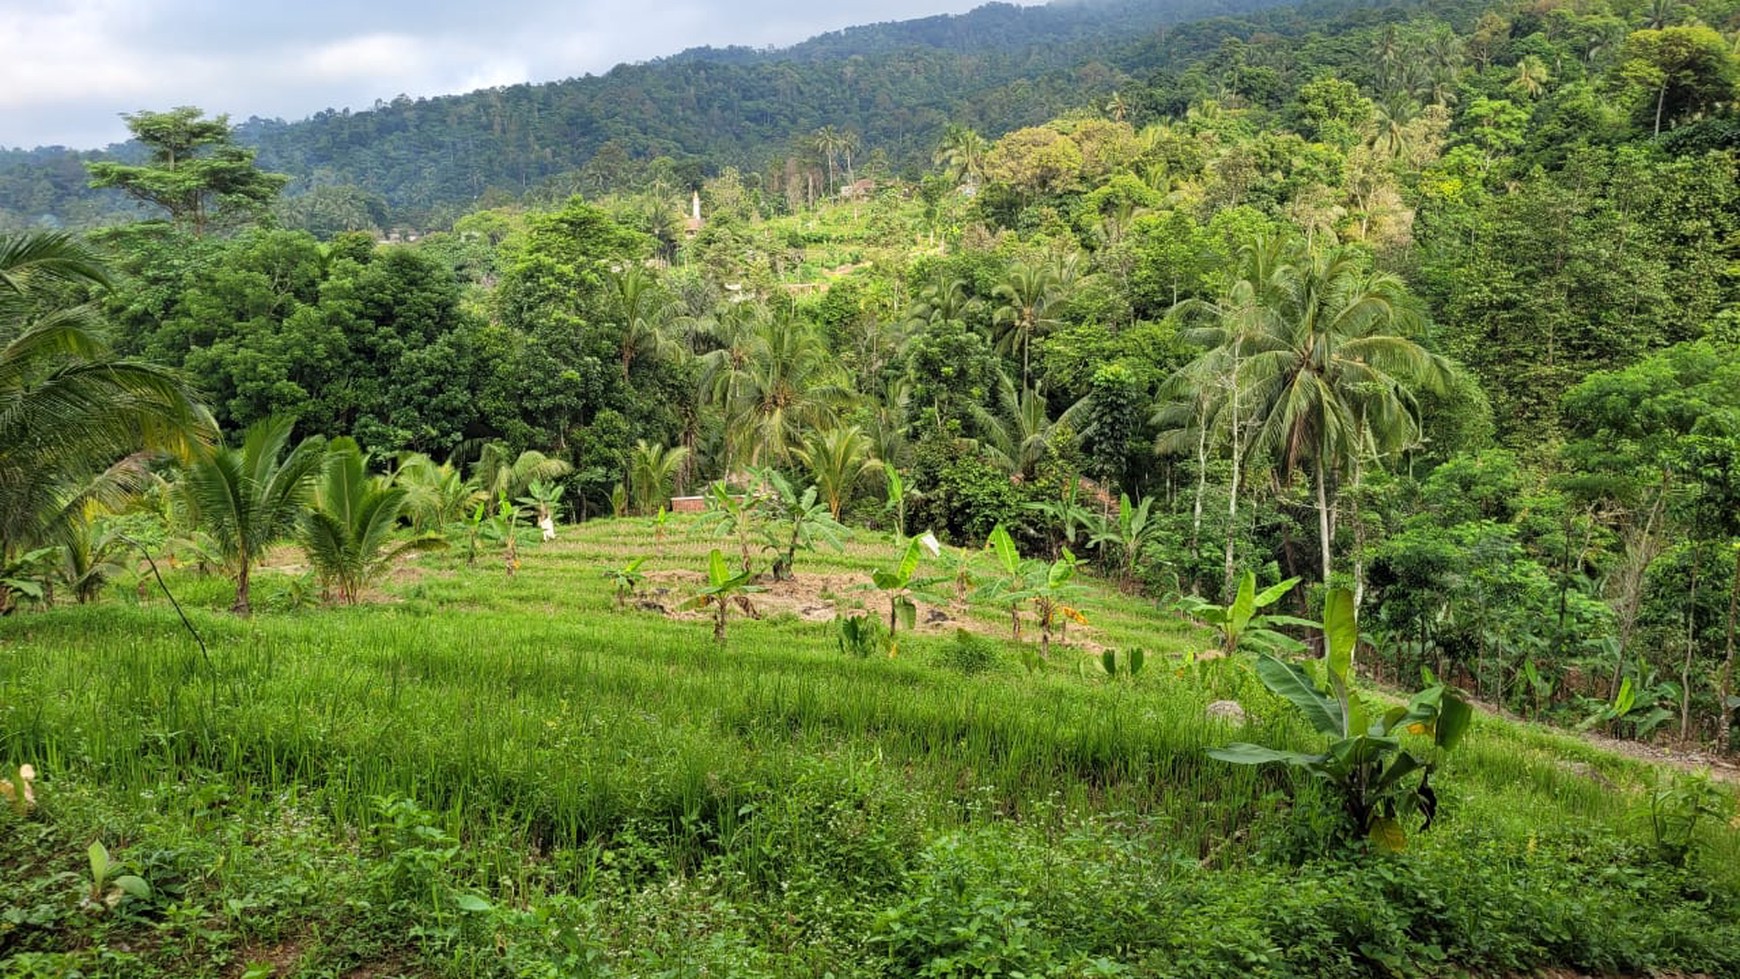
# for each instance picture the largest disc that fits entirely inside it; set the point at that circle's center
(819, 597)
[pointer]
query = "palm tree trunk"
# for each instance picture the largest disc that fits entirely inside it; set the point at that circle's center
(1201, 487)
(1323, 531)
(241, 606)
(1232, 497)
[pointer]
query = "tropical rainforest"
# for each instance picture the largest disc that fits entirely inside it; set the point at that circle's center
(1218, 328)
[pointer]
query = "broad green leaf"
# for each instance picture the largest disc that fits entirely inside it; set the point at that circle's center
(1109, 660)
(1454, 718)
(1386, 834)
(99, 855)
(1240, 753)
(1340, 631)
(1272, 620)
(1137, 658)
(1403, 764)
(1627, 699)
(717, 573)
(470, 902)
(1273, 593)
(909, 560)
(1244, 603)
(133, 886)
(885, 579)
(1060, 573)
(1270, 639)
(1003, 546)
(1293, 683)
(906, 612)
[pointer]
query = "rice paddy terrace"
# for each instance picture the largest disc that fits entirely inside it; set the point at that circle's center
(482, 775)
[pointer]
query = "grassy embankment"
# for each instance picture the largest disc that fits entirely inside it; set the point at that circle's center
(491, 776)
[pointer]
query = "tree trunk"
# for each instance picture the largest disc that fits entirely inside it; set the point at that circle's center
(719, 623)
(1691, 644)
(241, 606)
(1323, 530)
(1201, 487)
(1232, 495)
(1722, 692)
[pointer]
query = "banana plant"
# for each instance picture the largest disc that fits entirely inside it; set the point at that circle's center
(723, 590)
(731, 515)
(899, 584)
(1065, 519)
(896, 502)
(1009, 589)
(1238, 622)
(795, 521)
(1053, 592)
(544, 501)
(1130, 531)
(627, 579)
(959, 570)
(1364, 761)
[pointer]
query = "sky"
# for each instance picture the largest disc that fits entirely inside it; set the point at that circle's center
(69, 68)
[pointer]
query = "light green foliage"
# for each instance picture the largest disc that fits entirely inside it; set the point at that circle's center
(348, 532)
(900, 584)
(1238, 621)
(1130, 531)
(108, 884)
(724, 588)
(794, 521)
(1055, 596)
(1366, 764)
(626, 580)
(1676, 811)
(251, 496)
(1009, 587)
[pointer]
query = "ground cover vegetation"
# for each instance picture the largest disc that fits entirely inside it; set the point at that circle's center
(1041, 486)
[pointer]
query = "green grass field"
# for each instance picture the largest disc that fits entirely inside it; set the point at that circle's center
(479, 775)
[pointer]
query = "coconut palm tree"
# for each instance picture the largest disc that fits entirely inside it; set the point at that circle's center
(1026, 293)
(962, 154)
(942, 300)
(828, 142)
(837, 459)
(1329, 367)
(1212, 385)
(645, 313)
(1392, 116)
(1018, 434)
(500, 475)
(651, 471)
(437, 495)
(75, 421)
(249, 497)
(790, 382)
(348, 533)
(1532, 77)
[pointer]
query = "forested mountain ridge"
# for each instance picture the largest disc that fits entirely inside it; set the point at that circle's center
(897, 84)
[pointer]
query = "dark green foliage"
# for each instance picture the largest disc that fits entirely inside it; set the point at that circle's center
(963, 496)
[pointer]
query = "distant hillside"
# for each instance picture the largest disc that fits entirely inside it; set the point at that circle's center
(896, 85)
